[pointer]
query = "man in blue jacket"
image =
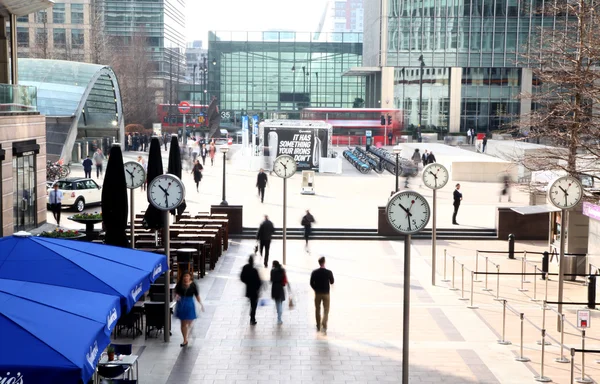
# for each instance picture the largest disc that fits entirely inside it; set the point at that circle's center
(87, 167)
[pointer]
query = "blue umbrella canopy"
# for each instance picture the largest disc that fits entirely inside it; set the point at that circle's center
(117, 271)
(57, 333)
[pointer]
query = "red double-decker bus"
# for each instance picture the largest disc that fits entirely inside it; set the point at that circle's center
(171, 119)
(350, 125)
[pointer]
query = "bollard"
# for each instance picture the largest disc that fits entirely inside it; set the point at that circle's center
(472, 306)
(445, 280)
(545, 263)
(497, 283)
(453, 288)
(462, 283)
(486, 276)
(511, 246)
(504, 341)
(541, 377)
(583, 379)
(591, 292)
(522, 358)
(477, 265)
(522, 289)
(562, 358)
(525, 268)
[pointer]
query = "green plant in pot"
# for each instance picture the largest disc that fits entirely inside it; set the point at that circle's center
(110, 351)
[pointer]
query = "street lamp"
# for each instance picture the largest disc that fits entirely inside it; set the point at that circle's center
(293, 87)
(194, 85)
(419, 139)
(317, 75)
(214, 62)
(396, 152)
(224, 150)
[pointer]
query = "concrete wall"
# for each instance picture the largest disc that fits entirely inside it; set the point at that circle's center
(20, 128)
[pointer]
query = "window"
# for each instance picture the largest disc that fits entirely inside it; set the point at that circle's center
(23, 36)
(77, 38)
(41, 17)
(89, 184)
(60, 38)
(24, 191)
(41, 36)
(76, 13)
(23, 19)
(58, 14)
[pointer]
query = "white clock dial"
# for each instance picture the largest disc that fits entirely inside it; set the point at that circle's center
(565, 192)
(284, 166)
(435, 176)
(408, 212)
(135, 175)
(166, 192)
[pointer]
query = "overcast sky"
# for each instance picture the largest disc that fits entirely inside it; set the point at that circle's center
(250, 15)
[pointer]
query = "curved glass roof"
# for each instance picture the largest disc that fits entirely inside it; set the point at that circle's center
(61, 84)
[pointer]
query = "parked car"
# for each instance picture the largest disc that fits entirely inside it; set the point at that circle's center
(78, 192)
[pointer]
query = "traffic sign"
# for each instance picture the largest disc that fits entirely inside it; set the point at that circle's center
(184, 107)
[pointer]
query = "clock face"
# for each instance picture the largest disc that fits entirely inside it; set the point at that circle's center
(565, 192)
(135, 175)
(435, 176)
(284, 166)
(166, 192)
(408, 212)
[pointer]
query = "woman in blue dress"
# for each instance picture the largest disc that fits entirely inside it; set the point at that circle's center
(186, 290)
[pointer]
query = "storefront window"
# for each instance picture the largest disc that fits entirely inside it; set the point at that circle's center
(24, 201)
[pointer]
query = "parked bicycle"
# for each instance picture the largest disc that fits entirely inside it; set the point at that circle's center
(56, 170)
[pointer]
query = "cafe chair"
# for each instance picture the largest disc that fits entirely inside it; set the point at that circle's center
(111, 371)
(131, 321)
(119, 381)
(155, 318)
(122, 349)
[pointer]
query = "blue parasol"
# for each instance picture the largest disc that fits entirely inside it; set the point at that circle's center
(116, 271)
(56, 334)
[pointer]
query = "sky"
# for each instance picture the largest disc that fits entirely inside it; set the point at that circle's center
(250, 15)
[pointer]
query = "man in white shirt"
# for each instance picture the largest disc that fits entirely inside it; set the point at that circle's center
(55, 199)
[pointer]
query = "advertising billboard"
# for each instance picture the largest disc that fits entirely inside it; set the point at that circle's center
(306, 145)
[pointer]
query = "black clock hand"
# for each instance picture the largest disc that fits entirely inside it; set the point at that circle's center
(434, 174)
(564, 190)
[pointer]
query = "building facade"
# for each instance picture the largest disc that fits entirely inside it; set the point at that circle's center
(257, 72)
(342, 16)
(471, 53)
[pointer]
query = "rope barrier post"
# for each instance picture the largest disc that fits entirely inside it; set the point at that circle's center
(535, 269)
(541, 377)
(583, 379)
(472, 306)
(544, 307)
(486, 275)
(453, 288)
(562, 358)
(572, 365)
(498, 283)
(462, 283)
(445, 280)
(477, 265)
(522, 358)
(503, 341)
(522, 289)
(525, 268)
(546, 292)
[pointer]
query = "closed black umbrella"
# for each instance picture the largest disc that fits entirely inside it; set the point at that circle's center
(175, 168)
(114, 200)
(153, 218)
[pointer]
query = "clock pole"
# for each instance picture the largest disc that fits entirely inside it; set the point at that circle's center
(433, 236)
(406, 315)
(561, 263)
(284, 218)
(131, 218)
(166, 237)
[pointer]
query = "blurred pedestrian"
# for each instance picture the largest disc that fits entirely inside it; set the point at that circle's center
(98, 159)
(261, 183)
(430, 158)
(505, 191)
(212, 150)
(469, 133)
(278, 283)
(185, 310)
(307, 222)
(203, 153)
(166, 140)
(197, 172)
(195, 150)
(424, 158)
(144, 165)
(457, 196)
(320, 281)
(264, 236)
(55, 199)
(416, 158)
(87, 167)
(250, 277)
(484, 144)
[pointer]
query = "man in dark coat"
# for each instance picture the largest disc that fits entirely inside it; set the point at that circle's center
(430, 158)
(251, 278)
(261, 183)
(87, 167)
(264, 235)
(457, 199)
(307, 222)
(424, 158)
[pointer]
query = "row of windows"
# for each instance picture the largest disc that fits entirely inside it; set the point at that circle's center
(59, 13)
(59, 37)
(486, 8)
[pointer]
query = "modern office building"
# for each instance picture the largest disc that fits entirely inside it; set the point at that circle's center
(342, 16)
(195, 54)
(469, 52)
(255, 72)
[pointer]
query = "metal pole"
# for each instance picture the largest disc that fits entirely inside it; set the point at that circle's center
(572, 365)
(497, 283)
(462, 283)
(522, 358)
(472, 306)
(131, 219)
(503, 341)
(546, 289)
(166, 244)
(535, 269)
(522, 289)
(453, 288)
(525, 268)
(224, 202)
(583, 379)
(420, 101)
(445, 280)
(541, 377)
(397, 188)
(477, 265)
(405, 326)
(544, 307)
(561, 264)
(562, 358)
(434, 235)
(486, 275)
(284, 219)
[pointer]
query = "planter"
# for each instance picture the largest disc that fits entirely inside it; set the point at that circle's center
(111, 356)
(65, 235)
(89, 226)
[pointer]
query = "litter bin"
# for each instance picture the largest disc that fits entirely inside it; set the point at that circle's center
(573, 265)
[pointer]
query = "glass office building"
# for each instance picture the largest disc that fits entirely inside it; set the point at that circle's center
(254, 72)
(471, 52)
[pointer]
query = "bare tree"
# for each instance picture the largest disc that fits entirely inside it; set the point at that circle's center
(40, 48)
(100, 43)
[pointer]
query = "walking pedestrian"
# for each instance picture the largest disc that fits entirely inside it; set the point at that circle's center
(469, 133)
(250, 277)
(457, 199)
(484, 144)
(320, 281)
(416, 157)
(98, 159)
(264, 236)
(424, 158)
(505, 188)
(278, 283)
(166, 140)
(144, 165)
(87, 167)
(195, 150)
(430, 158)
(261, 183)
(186, 291)
(56, 197)
(211, 152)
(197, 172)
(307, 222)
(203, 153)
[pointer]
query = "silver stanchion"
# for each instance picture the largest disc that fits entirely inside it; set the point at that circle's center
(445, 279)
(521, 357)
(523, 289)
(462, 283)
(477, 265)
(472, 305)
(572, 365)
(525, 268)
(503, 341)
(453, 288)
(546, 290)
(544, 306)
(562, 358)
(535, 269)
(583, 379)
(486, 276)
(541, 377)
(498, 283)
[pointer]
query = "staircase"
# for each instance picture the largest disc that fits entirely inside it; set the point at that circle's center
(371, 234)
